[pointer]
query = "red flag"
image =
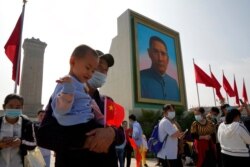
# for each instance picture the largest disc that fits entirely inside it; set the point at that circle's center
(237, 100)
(114, 113)
(12, 48)
(227, 87)
(138, 157)
(244, 92)
(217, 86)
(202, 77)
(132, 142)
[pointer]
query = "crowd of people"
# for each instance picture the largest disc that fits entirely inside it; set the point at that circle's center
(218, 138)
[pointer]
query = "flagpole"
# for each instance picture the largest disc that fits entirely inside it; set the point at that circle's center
(19, 50)
(212, 88)
(197, 90)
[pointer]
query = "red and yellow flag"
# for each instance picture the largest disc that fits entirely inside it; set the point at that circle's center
(114, 113)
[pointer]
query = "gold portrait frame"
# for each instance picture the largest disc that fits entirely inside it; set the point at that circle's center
(152, 27)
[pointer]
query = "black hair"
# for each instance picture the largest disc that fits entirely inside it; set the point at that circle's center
(11, 97)
(132, 117)
(81, 50)
(201, 110)
(40, 111)
(156, 38)
(167, 107)
(215, 109)
(224, 106)
(231, 115)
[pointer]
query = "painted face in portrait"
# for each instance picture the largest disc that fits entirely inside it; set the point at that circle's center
(159, 57)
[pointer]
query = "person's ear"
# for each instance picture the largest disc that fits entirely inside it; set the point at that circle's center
(72, 61)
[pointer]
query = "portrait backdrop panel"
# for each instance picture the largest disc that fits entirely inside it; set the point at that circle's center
(158, 63)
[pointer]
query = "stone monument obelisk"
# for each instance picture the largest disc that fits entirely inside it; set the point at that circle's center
(32, 75)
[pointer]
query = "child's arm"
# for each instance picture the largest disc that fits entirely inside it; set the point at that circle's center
(63, 100)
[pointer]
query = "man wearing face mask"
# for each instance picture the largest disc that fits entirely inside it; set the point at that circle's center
(168, 155)
(102, 136)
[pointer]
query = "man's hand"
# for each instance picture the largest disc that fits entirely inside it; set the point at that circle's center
(100, 139)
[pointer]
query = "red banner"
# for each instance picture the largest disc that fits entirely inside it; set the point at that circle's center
(202, 77)
(237, 100)
(227, 87)
(12, 48)
(244, 92)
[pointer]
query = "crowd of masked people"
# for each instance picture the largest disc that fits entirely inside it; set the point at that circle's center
(217, 138)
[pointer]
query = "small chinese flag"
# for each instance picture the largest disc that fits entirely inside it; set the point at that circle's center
(114, 113)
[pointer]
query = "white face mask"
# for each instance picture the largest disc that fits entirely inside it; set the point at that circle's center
(198, 118)
(13, 113)
(171, 115)
(97, 80)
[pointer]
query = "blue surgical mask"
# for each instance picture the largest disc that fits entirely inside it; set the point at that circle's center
(198, 118)
(171, 115)
(12, 113)
(97, 80)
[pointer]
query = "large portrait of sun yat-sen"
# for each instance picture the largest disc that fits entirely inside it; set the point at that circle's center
(158, 63)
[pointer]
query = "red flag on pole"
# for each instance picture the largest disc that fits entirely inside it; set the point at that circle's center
(227, 87)
(237, 100)
(114, 113)
(217, 86)
(202, 77)
(244, 92)
(12, 48)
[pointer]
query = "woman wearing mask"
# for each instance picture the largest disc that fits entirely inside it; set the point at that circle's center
(234, 137)
(168, 155)
(16, 135)
(203, 133)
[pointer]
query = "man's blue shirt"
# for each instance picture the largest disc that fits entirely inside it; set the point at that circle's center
(156, 86)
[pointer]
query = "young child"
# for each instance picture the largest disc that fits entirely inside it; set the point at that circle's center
(72, 106)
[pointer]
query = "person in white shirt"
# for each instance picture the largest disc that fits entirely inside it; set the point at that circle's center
(234, 137)
(16, 135)
(168, 153)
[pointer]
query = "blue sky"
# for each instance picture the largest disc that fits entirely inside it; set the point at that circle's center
(215, 32)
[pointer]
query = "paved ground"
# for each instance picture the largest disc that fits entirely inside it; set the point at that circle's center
(150, 162)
